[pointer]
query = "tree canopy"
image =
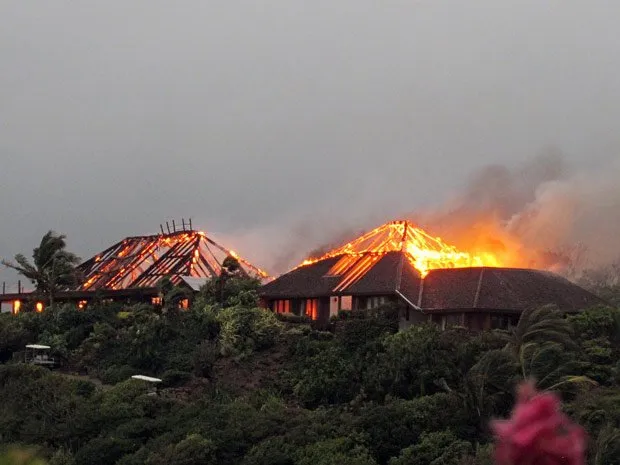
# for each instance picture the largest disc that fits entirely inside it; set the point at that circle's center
(242, 385)
(52, 267)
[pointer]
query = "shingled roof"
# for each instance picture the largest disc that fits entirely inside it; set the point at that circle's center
(478, 288)
(508, 289)
(381, 263)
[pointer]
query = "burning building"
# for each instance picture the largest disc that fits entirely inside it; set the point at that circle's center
(428, 279)
(132, 269)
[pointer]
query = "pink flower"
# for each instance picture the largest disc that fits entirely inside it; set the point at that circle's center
(538, 433)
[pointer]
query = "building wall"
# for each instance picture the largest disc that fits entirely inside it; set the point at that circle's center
(322, 309)
(410, 316)
(6, 307)
(475, 321)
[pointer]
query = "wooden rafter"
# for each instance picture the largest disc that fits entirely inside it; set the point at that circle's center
(142, 261)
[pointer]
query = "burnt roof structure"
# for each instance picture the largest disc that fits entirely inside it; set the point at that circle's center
(132, 268)
(142, 261)
(398, 258)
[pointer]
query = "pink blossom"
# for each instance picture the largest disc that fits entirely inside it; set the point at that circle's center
(538, 433)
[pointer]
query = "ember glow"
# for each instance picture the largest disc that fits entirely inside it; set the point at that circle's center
(424, 251)
(144, 260)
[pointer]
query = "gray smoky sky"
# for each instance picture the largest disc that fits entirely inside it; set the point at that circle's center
(277, 125)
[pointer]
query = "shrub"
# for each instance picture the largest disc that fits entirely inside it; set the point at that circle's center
(204, 358)
(293, 319)
(439, 448)
(62, 457)
(327, 377)
(13, 336)
(245, 330)
(272, 451)
(116, 374)
(398, 423)
(174, 378)
(343, 451)
(103, 451)
(193, 450)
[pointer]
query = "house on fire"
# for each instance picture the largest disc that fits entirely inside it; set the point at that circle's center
(132, 269)
(428, 280)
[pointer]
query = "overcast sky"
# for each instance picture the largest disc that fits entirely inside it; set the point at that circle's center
(273, 121)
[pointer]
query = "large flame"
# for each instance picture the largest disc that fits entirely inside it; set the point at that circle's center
(424, 251)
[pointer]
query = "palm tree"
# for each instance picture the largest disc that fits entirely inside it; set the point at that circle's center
(540, 324)
(488, 386)
(52, 268)
(535, 348)
(538, 345)
(606, 446)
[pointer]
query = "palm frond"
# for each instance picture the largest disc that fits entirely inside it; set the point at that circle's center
(581, 380)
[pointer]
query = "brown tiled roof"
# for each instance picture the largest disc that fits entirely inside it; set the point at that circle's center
(455, 289)
(506, 289)
(502, 289)
(381, 278)
(526, 288)
(305, 281)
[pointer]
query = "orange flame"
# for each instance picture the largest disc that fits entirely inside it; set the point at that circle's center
(423, 251)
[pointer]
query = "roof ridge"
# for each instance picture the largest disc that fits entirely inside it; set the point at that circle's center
(477, 296)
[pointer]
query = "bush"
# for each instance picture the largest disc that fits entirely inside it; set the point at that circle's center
(440, 448)
(272, 451)
(13, 336)
(343, 451)
(62, 457)
(326, 378)
(103, 451)
(204, 358)
(245, 330)
(293, 319)
(117, 374)
(398, 423)
(175, 378)
(193, 450)
(356, 332)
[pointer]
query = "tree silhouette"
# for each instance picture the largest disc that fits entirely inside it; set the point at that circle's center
(52, 269)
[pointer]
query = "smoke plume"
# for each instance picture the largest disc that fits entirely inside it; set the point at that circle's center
(540, 215)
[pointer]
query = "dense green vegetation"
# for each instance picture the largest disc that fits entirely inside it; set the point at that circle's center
(241, 386)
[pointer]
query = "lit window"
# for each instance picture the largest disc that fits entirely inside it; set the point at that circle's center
(16, 306)
(39, 307)
(156, 300)
(82, 304)
(282, 306)
(312, 308)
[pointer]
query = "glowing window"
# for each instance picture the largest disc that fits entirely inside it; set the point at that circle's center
(346, 302)
(16, 306)
(282, 306)
(311, 308)
(39, 307)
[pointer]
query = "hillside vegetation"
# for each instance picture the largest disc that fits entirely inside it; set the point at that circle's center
(241, 386)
